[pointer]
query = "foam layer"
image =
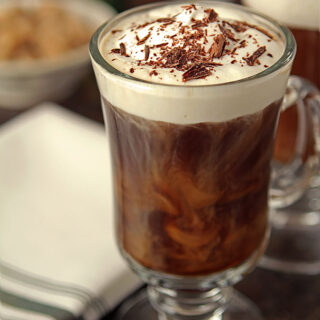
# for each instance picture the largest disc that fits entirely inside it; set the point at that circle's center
(303, 14)
(196, 100)
(148, 43)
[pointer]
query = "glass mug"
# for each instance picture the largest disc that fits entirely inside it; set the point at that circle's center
(295, 236)
(191, 200)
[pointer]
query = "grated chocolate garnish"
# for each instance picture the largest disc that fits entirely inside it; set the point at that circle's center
(196, 72)
(143, 25)
(186, 49)
(243, 44)
(217, 47)
(143, 40)
(176, 57)
(253, 26)
(212, 15)
(211, 64)
(166, 20)
(123, 49)
(227, 33)
(238, 26)
(198, 23)
(254, 57)
(146, 52)
(115, 50)
(160, 45)
(115, 31)
(189, 7)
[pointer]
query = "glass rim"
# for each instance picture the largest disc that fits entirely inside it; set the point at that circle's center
(287, 56)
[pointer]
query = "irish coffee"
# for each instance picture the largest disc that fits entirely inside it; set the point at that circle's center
(191, 108)
(303, 18)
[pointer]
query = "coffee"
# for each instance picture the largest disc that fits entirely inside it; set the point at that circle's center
(191, 199)
(303, 18)
(191, 110)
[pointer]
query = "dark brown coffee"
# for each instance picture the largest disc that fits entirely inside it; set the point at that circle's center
(306, 65)
(191, 199)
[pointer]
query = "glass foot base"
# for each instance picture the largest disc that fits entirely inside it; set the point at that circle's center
(294, 245)
(238, 308)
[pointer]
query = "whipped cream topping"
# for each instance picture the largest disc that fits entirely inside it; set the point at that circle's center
(190, 44)
(171, 95)
(303, 14)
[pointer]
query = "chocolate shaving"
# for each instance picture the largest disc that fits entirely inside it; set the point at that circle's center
(198, 24)
(182, 29)
(243, 44)
(116, 50)
(143, 25)
(143, 40)
(160, 45)
(265, 32)
(146, 52)
(176, 57)
(115, 31)
(238, 26)
(217, 47)
(196, 72)
(227, 33)
(166, 20)
(122, 49)
(212, 15)
(211, 64)
(253, 58)
(189, 7)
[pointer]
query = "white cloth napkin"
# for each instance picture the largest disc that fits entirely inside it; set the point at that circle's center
(58, 257)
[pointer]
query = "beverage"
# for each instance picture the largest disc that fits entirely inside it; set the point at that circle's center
(191, 199)
(191, 108)
(303, 18)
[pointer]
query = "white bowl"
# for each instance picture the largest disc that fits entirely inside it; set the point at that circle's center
(26, 83)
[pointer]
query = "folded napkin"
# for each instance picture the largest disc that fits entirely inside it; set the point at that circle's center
(58, 257)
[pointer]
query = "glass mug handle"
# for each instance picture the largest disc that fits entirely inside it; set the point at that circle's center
(289, 180)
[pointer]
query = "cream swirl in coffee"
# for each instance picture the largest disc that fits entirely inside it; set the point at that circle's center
(191, 44)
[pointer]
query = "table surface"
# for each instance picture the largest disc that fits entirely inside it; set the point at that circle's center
(278, 295)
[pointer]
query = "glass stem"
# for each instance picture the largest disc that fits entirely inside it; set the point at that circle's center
(188, 304)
